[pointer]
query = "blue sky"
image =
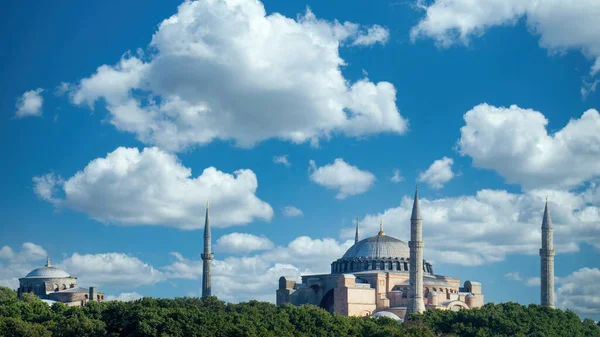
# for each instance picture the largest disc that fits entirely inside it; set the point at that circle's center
(109, 120)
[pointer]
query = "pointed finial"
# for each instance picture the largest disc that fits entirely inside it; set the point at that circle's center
(48, 261)
(546, 199)
(546, 221)
(206, 203)
(381, 227)
(416, 211)
(356, 235)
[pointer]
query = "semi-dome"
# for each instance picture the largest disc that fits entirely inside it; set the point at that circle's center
(378, 246)
(388, 315)
(47, 272)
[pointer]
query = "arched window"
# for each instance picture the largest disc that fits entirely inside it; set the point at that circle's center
(390, 266)
(382, 265)
(86, 296)
(406, 266)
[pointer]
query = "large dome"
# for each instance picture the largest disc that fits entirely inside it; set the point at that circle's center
(47, 272)
(378, 246)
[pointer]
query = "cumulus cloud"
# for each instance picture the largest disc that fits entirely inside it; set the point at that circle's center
(373, 35)
(16, 264)
(282, 160)
(255, 277)
(291, 211)
(111, 269)
(30, 104)
(457, 21)
(152, 187)
(438, 174)
(490, 225)
(396, 178)
(347, 179)
(515, 142)
(270, 77)
(580, 292)
(242, 242)
(124, 297)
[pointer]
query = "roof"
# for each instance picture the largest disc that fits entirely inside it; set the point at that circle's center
(387, 314)
(47, 272)
(378, 246)
(74, 290)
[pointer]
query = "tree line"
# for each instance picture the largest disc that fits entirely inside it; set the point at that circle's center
(187, 317)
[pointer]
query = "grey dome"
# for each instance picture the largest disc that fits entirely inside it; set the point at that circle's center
(387, 314)
(378, 246)
(47, 272)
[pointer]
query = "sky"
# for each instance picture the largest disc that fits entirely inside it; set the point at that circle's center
(119, 120)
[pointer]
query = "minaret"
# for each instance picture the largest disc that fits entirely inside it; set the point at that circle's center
(48, 261)
(207, 256)
(381, 227)
(357, 235)
(547, 261)
(415, 296)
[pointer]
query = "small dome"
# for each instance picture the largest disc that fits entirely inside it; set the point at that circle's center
(387, 314)
(378, 246)
(47, 272)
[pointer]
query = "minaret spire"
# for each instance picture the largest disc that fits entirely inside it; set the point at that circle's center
(207, 256)
(547, 261)
(415, 296)
(357, 234)
(48, 261)
(381, 227)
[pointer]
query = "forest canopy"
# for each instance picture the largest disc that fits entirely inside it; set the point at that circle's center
(186, 317)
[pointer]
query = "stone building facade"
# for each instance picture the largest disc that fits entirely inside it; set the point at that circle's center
(373, 276)
(55, 285)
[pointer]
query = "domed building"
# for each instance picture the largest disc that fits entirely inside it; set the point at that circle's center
(374, 275)
(52, 284)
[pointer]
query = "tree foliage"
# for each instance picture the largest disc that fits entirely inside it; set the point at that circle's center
(183, 317)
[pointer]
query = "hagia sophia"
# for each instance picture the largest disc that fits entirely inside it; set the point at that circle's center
(377, 276)
(384, 276)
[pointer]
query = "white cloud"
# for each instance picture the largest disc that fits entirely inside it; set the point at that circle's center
(46, 186)
(16, 264)
(271, 77)
(533, 282)
(452, 21)
(291, 211)
(30, 104)
(580, 292)
(255, 277)
(110, 269)
(124, 297)
(152, 187)
(438, 174)
(514, 276)
(346, 178)
(588, 88)
(515, 143)
(282, 160)
(373, 35)
(487, 227)
(396, 178)
(242, 242)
